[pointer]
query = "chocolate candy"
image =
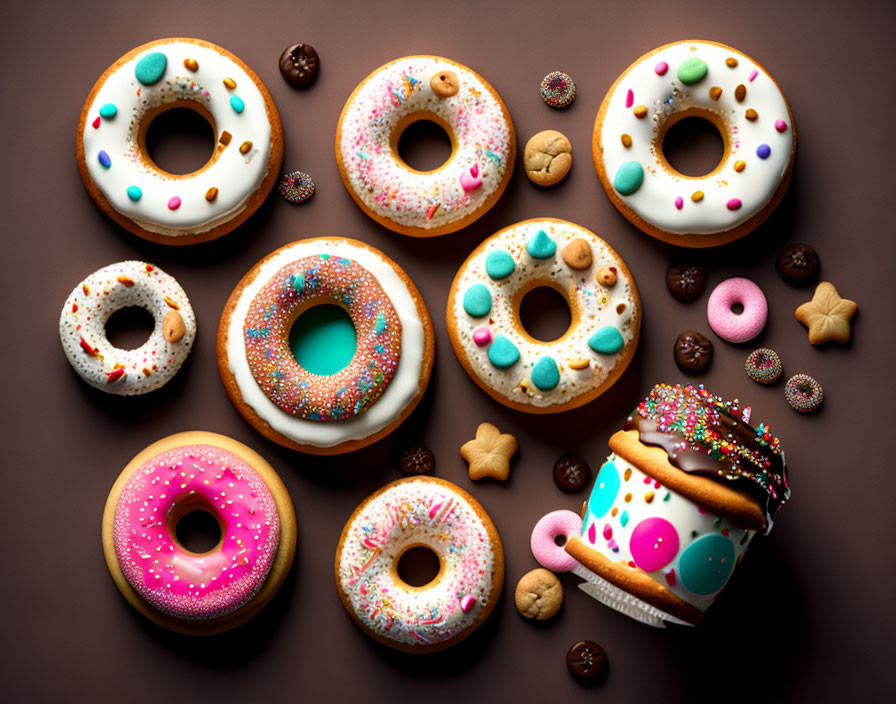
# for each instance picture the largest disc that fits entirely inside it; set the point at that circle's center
(587, 662)
(299, 64)
(685, 281)
(798, 265)
(572, 473)
(414, 461)
(693, 351)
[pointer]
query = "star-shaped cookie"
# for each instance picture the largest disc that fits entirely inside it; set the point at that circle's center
(489, 454)
(827, 315)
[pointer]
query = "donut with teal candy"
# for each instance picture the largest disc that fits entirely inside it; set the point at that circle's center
(491, 343)
(713, 82)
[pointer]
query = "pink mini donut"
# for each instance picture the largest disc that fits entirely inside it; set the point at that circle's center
(544, 535)
(731, 326)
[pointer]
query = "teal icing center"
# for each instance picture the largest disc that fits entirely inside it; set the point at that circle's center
(323, 340)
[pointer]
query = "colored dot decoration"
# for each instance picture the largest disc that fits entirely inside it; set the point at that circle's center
(629, 178)
(236, 102)
(104, 159)
(606, 340)
(499, 265)
(654, 544)
(605, 490)
(296, 186)
(150, 68)
(135, 193)
(502, 353)
(541, 246)
(477, 300)
(763, 151)
(706, 564)
(558, 89)
(692, 70)
(108, 111)
(174, 203)
(546, 374)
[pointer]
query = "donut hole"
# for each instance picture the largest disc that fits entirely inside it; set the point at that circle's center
(129, 328)
(197, 530)
(418, 566)
(560, 540)
(424, 145)
(737, 307)
(323, 339)
(179, 140)
(544, 314)
(692, 145)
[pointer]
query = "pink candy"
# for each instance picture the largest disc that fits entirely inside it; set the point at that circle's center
(679, 202)
(734, 204)
(482, 336)
(471, 180)
(661, 68)
(629, 98)
(725, 322)
(467, 602)
(780, 125)
(544, 535)
(174, 203)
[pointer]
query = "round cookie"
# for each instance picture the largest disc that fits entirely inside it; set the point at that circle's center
(82, 328)
(413, 512)
(538, 595)
(353, 407)
(502, 358)
(714, 82)
(179, 209)
(547, 158)
(164, 590)
(446, 199)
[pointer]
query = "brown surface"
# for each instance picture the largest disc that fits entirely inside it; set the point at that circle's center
(809, 615)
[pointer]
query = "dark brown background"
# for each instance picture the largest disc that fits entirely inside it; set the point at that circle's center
(808, 617)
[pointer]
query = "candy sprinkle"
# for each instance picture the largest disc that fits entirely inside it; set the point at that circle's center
(191, 64)
(661, 68)
(697, 196)
(780, 125)
(135, 193)
(229, 83)
(103, 158)
(640, 111)
(236, 102)
(763, 151)
(558, 89)
(296, 186)
(679, 202)
(174, 203)
(740, 165)
(626, 140)
(734, 204)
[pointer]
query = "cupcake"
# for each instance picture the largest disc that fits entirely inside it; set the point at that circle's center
(689, 482)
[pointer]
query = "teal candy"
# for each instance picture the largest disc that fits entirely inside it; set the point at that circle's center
(108, 111)
(606, 340)
(151, 67)
(236, 102)
(604, 492)
(503, 353)
(135, 193)
(623, 519)
(323, 340)
(545, 374)
(499, 265)
(629, 178)
(706, 564)
(298, 282)
(540, 246)
(692, 70)
(380, 326)
(478, 300)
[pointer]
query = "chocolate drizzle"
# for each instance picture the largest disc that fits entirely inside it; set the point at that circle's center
(703, 434)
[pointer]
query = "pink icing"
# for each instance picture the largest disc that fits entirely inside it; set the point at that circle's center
(543, 541)
(470, 180)
(178, 582)
(654, 544)
(732, 326)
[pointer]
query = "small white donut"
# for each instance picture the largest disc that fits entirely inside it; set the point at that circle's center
(123, 285)
(418, 203)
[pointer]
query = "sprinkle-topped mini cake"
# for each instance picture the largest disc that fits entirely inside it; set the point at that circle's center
(689, 483)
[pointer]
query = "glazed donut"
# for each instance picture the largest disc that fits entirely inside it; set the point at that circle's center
(143, 198)
(418, 203)
(501, 357)
(729, 89)
(412, 512)
(91, 304)
(347, 409)
(198, 594)
(731, 326)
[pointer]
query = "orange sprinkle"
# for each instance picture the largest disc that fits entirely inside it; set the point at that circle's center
(627, 474)
(211, 194)
(125, 280)
(731, 62)
(614, 511)
(740, 93)
(628, 497)
(626, 140)
(715, 92)
(86, 289)
(230, 83)
(171, 303)
(225, 138)
(751, 114)
(648, 497)
(191, 64)
(149, 267)
(245, 147)
(640, 111)
(697, 196)
(740, 165)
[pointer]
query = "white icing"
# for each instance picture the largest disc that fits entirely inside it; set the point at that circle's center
(403, 387)
(236, 176)
(654, 201)
(390, 188)
(681, 512)
(597, 308)
(86, 311)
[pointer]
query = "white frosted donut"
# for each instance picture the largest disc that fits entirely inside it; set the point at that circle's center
(414, 202)
(324, 436)
(501, 357)
(714, 82)
(429, 512)
(122, 285)
(157, 205)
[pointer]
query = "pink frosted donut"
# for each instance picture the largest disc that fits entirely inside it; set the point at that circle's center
(544, 539)
(163, 484)
(731, 326)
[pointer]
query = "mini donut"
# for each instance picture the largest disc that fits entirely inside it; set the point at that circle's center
(170, 208)
(425, 203)
(198, 594)
(763, 366)
(719, 84)
(413, 512)
(325, 413)
(502, 358)
(82, 328)
(731, 326)
(556, 524)
(803, 393)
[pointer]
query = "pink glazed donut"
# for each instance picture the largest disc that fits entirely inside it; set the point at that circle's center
(732, 326)
(544, 540)
(198, 472)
